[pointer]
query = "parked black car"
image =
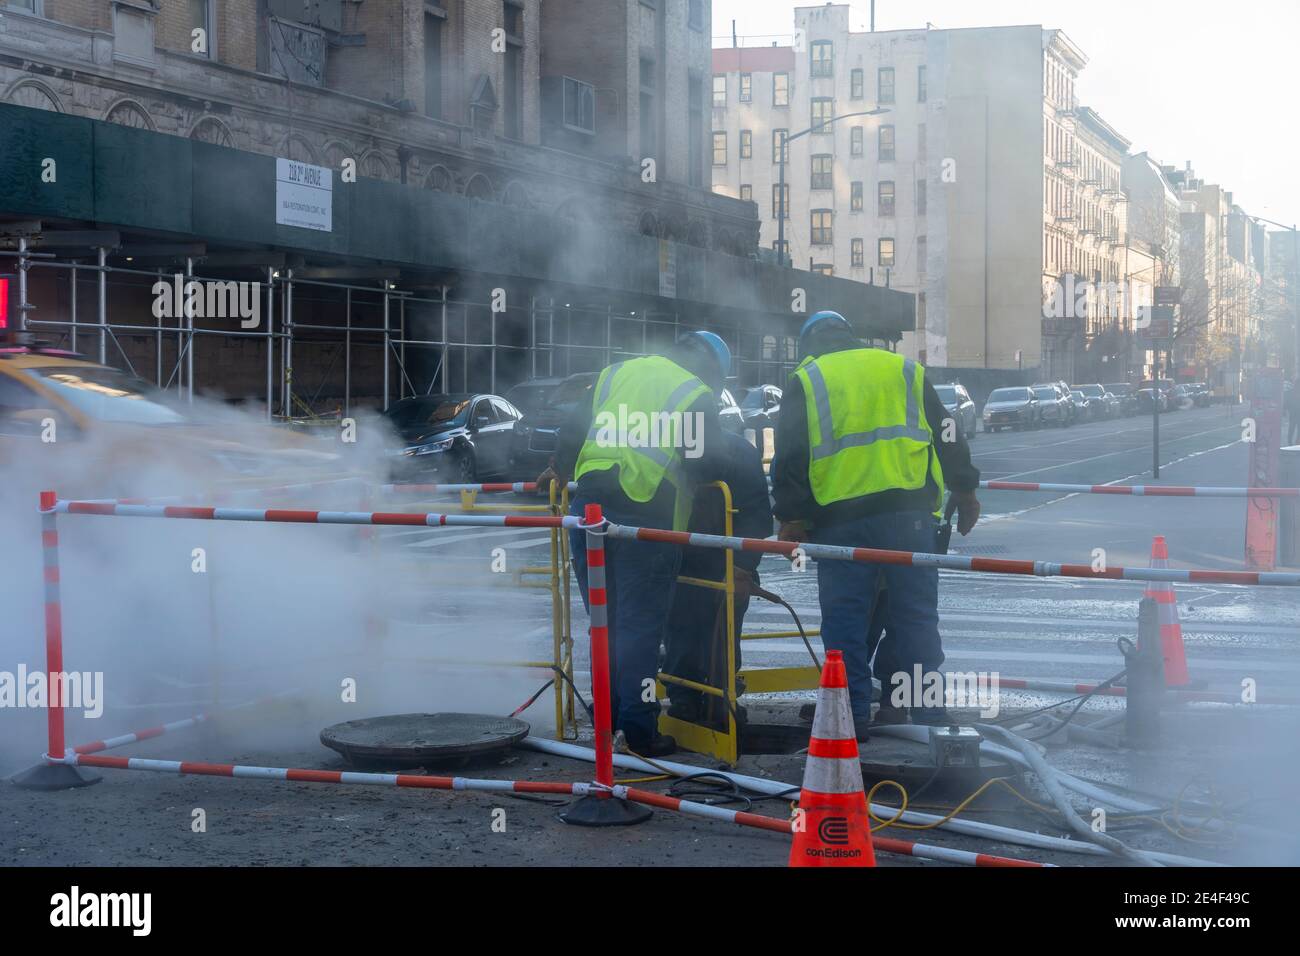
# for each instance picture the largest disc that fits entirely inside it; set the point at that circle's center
(460, 437)
(534, 439)
(1053, 407)
(761, 406)
(1147, 396)
(958, 403)
(1082, 406)
(1014, 407)
(729, 413)
(1127, 395)
(532, 395)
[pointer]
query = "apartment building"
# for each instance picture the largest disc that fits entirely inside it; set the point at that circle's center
(974, 188)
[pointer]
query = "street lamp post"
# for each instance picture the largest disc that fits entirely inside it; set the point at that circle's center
(785, 147)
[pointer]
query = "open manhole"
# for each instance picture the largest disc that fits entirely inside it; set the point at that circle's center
(910, 763)
(411, 740)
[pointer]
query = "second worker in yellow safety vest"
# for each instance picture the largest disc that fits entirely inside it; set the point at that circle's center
(863, 453)
(649, 435)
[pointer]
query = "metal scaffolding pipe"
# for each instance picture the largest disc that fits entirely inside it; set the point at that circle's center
(103, 306)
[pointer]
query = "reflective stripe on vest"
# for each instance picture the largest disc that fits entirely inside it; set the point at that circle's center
(862, 439)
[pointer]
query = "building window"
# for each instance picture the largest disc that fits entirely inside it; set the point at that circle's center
(823, 111)
(695, 14)
(746, 87)
(856, 85)
(695, 136)
(920, 313)
(28, 5)
(780, 146)
(433, 66)
(199, 17)
(920, 142)
(746, 144)
(921, 247)
(822, 58)
(855, 197)
(855, 141)
(885, 198)
(859, 257)
(920, 84)
(885, 252)
(823, 232)
(782, 249)
(646, 114)
(719, 149)
(719, 91)
(780, 89)
(513, 82)
(885, 84)
(885, 140)
(920, 197)
(779, 209)
(823, 171)
(823, 268)
(746, 192)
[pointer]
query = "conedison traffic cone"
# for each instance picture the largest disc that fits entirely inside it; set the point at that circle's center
(833, 827)
(1171, 631)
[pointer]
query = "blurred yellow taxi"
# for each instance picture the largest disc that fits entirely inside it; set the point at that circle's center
(111, 434)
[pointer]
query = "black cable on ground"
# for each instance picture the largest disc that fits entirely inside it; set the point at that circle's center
(777, 599)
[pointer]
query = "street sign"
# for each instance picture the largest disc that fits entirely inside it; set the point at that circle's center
(1158, 332)
(1168, 295)
(304, 195)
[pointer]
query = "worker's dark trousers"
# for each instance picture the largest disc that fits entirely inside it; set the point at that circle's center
(693, 647)
(639, 581)
(846, 590)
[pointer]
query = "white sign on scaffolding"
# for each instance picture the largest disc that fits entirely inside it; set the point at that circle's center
(304, 195)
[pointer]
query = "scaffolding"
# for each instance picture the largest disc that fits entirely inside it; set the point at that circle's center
(322, 346)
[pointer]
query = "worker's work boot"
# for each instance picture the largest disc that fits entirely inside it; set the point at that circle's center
(660, 745)
(933, 716)
(887, 714)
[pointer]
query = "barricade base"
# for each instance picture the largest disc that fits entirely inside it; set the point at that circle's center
(54, 776)
(603, 811)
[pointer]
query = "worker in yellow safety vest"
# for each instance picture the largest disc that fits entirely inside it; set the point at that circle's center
(864, 449)
(649, 435)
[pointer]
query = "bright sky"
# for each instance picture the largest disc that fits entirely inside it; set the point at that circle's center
(1214, 83)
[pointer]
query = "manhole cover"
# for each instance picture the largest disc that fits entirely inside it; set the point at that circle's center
(422, 738)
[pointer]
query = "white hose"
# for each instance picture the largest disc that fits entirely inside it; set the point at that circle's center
(1050, 779)
(1086, 788)
(987, 831)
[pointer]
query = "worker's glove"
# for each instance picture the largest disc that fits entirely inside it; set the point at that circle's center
(544, 480)
(968, 511)
(794, 531)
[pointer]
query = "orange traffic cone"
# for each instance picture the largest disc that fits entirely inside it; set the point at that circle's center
(1171, 631)
(833, 827)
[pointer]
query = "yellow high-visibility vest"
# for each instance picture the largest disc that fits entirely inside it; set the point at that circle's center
(867, 428)
(639, 424)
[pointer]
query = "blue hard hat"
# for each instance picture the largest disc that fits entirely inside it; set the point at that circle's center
(715, 347)
(822, 318)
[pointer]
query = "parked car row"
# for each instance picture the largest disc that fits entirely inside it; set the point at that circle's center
(467, 437)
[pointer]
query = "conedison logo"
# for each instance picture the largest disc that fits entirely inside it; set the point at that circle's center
(966, 690)
(82, 690)
(74, 908)
(631, 429)
(205, 299)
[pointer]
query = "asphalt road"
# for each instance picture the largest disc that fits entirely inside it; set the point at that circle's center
(1051, 628)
